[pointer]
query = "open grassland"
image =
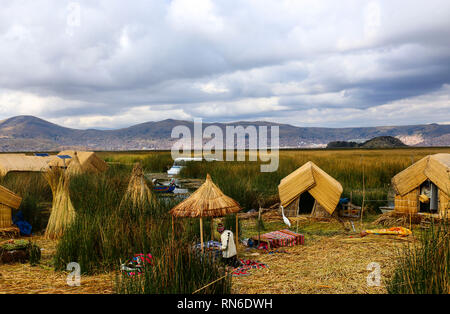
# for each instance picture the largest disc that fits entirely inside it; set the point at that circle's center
(355, 169)
(106, 231)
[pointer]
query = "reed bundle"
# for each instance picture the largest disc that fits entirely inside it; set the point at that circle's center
(394, 219)
(63, 212)
(138, 194)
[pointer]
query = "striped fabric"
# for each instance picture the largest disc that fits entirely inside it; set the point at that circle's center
(282, 238)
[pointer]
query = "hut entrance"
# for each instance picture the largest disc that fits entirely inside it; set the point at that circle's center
(306, 203)
(428, 197)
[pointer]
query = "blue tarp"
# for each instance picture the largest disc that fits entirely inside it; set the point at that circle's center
(343, 201)
(24, 227)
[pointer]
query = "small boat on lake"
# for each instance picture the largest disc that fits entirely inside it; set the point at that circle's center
(161, 188)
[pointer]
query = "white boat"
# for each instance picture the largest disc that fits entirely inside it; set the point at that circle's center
(179, 164)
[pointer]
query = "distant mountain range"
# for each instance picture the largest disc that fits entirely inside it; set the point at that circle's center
(28, 133)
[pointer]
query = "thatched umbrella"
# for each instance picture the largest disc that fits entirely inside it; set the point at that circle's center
(207, 201)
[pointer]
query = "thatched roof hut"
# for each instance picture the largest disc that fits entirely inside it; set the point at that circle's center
(22, 163)
(424, 186)
(74, 167)
(89, 161)
(207, 201)
(309, 178)
(8, 201)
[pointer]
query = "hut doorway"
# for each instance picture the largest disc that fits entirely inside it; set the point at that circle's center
(306, 203)
(428, 197)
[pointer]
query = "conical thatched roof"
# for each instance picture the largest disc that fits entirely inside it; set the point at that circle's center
(207, 201)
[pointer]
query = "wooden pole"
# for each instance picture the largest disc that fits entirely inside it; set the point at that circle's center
(201, 232)
(212, 228)
(259, 225)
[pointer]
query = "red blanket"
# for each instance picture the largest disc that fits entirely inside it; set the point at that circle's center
(282, 238)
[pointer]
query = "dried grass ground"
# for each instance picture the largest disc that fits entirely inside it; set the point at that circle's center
(335, 264)
(329, 262)
(42, 279)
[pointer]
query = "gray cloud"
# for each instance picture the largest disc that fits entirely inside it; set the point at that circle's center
(297, 62)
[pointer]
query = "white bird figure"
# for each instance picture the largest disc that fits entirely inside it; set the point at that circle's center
(286, 221)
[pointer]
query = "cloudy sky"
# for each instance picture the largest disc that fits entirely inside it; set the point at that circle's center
(112, 64)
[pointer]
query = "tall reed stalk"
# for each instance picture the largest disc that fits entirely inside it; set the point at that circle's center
(177, 269)
(424, 268)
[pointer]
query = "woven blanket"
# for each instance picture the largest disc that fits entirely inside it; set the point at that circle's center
(282, 238)
(136, 265)
(247, 265)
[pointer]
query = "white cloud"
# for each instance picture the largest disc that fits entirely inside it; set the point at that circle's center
(320, 63)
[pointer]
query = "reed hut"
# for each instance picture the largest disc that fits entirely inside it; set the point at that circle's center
(207, 201)
(89, 161)
(309, 189)
(8, 201)
(22, 163)
(424, 187)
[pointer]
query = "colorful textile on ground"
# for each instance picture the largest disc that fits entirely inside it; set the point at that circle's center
(277, 252)
(136, 265)
(400, 231)
(281, 238)
(211, 247)
(246, 266)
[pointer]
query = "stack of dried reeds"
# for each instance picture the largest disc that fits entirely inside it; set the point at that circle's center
(63, 212)
(393, 219)
(138, 194)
